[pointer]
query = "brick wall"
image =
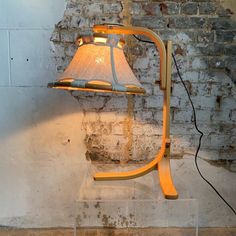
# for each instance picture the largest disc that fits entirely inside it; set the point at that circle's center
(128, 128)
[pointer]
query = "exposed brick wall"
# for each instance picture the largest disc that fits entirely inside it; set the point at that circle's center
(128, 128)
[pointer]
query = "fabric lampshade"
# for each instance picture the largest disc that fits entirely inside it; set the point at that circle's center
(99, 65)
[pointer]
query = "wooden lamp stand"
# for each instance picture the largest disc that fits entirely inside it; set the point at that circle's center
(162, 160)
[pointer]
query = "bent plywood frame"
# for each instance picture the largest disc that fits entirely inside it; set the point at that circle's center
(161, 161)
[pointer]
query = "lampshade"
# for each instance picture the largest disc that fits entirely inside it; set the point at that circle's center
(99, 65)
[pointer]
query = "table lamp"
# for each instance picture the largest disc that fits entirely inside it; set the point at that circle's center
(100, 65)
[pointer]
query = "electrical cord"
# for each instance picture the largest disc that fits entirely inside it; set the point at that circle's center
(195, 124)
(200, 139)
(196, 127)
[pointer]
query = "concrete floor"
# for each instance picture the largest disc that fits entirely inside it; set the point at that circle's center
(120, 232)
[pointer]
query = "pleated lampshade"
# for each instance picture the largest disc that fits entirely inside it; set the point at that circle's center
(99, 65)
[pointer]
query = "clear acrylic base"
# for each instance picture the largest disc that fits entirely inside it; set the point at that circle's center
(130, 204)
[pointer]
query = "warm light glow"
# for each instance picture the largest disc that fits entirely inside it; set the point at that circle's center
(120, 44)
(68, 80)
(99, 82)
(130, 86)
(79, 42)
(99, 60)
(100, 40)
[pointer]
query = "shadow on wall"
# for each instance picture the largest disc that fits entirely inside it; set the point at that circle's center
(26, 107)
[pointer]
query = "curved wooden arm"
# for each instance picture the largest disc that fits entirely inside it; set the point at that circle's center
(161, 161)
(114, 29)
(133, 173)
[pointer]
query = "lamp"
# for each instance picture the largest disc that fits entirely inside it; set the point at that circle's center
(99, 65)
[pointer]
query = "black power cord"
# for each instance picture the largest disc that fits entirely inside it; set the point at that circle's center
(196, 127)
(195, 124)
(200, 139)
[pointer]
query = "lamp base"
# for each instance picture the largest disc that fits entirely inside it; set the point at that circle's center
(161, 163)
(131, 204)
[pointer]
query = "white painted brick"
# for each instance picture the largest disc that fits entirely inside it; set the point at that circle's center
(182, 38)
(198, 89)
(231, 142)
(192, 50)
(183, 116)
(143, 116)
(136, 9)
(112, 8)
(118, 128)
(147, 130)
(91, 116)
(115, 103)
(220, 141)
(148, 76)
(96, 128)
(153, 54)
(180, 142)
(178, 90)
(203, 102)
(90, 103)
(55, 37)
(93, 9)
(58, 50)
(183, 64)
(112, 116)
(156, 90)
(228, 103)
(138, 102)
(68, 36)
(154, 102)
(214, 77)
(70, 50)
(79, 22)
(192, 76)
(233, 115)
(141, 63)
(113, 142)
(145, 148)
(182, 128)
(158, 116)
(199, 63)
(203, 115)
(148, 88)
(73, 11)
(223, 90)
(205, 143)
(220, 116)
(62, 63)
(184, 102)
(175, 101)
